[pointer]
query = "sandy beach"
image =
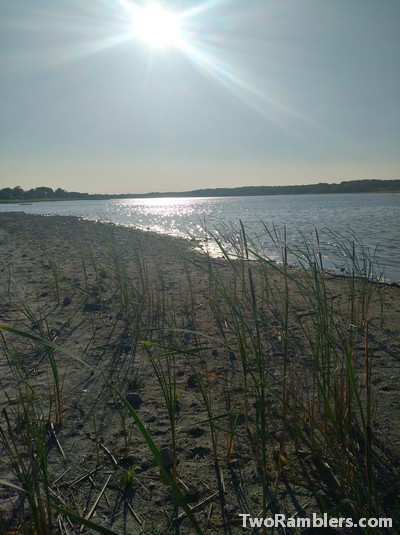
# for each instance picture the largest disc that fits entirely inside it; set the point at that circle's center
(117, 298)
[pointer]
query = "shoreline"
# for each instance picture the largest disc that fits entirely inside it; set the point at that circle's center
(195, 248)
(183, 196)
(117, 296)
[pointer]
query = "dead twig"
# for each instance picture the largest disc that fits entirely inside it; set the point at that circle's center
(54, 436)
(93, 508)
(82, 478)
(110, 455)
(198, 505)
(134, 514)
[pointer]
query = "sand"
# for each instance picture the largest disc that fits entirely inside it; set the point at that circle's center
(57, 281)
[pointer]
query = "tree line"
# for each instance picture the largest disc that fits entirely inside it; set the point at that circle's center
(43, 193)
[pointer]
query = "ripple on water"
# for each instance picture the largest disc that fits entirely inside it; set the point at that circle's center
(372, 220)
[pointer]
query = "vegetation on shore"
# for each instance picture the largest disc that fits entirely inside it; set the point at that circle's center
(43, 193)
(280, 379)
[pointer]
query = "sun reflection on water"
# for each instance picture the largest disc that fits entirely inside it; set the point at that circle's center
(339, 218)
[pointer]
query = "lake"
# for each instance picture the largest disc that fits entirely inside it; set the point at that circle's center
(372, 221)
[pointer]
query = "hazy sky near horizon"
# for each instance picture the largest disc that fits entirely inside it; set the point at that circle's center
(259, 92)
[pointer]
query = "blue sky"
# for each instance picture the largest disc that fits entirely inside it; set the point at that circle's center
(262, 92)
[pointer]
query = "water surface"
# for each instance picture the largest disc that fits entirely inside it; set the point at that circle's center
(373, 220)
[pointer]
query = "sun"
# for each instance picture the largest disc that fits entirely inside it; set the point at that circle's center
(157, 27)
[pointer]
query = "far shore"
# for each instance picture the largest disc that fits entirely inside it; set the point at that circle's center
(42, 193)
(105, 197)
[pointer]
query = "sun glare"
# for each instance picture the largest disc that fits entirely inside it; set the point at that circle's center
(194, 32)
(157, 27)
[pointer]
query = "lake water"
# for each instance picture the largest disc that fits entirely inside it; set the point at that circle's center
(371, 220)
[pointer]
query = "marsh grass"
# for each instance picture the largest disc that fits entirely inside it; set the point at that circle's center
(340, 408)
(25, 454)
(333, 419)
(290, 385)
(55, 272)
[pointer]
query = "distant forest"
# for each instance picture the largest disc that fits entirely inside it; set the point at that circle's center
(44, 193)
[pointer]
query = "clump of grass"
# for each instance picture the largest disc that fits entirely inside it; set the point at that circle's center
(338, 409)
(25, 453)
(128, 477)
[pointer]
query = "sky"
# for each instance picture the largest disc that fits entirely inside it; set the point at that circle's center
(250, 92)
